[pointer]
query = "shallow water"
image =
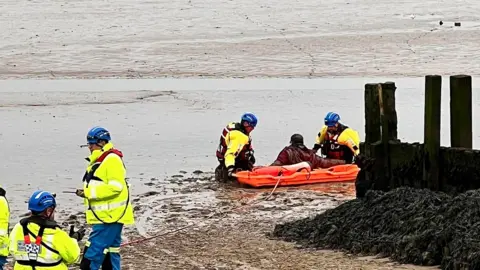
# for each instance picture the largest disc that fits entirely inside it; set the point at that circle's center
(162, 133)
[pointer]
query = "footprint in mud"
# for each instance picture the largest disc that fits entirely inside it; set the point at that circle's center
(191, 179)
(78, 220)
(171, 219)
(295, 204)
(149, 193)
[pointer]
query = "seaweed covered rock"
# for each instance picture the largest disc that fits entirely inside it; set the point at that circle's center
(416, 226)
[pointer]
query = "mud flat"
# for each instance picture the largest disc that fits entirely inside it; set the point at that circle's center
(221, 38)
(152, 120)
(231, 230)
(44, 122)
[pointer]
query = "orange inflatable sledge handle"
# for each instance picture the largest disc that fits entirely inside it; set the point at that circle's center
(270, 175)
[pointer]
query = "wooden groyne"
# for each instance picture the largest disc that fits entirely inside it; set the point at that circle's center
(393, 163)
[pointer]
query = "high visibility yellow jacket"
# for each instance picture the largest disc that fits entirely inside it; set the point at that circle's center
(57, 249)
(237, 144)
(4, 220)
(347, 137)
(107, 196)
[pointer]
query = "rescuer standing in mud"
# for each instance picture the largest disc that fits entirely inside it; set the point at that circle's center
(235, 149)
(298, 154)
(4, 220)
(38, 242)
(336, 140)
(107, 199)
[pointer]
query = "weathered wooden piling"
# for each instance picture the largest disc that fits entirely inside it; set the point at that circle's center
(389, 108)
(372, 136)
(392, 120)
(427, 165)
(372, 115)
(433, 107)
(388, 117)
(380, 129)
(461, 111)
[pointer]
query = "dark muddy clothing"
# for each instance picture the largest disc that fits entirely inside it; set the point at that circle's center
(221, 172)
(294, 154)
(363, 181)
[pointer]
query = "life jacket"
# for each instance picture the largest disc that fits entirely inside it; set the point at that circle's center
(222, 146)
(331, 148)
(33, 249)
(89, 176)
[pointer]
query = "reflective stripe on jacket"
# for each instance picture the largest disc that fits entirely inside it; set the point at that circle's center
(107, 198)
(56, 250)
(4, 220)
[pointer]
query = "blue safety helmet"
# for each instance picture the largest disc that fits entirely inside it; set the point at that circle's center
(331, 119)
(250, 118)
(41, 200)
(98, 133)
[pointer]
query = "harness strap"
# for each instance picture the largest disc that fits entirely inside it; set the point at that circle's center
(93, 177)
(38, 264)
(33, 249)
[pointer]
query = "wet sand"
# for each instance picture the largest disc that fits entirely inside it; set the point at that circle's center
(171, 127)
(164, 126)
(220, 38)
(167, 128)
(231, 230)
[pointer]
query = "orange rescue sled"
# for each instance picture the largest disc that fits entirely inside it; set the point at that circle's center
(270, 175)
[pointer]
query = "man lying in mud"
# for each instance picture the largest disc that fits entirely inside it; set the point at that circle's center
(298, 155)
(235, 151)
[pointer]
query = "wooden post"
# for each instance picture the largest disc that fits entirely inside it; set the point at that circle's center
(380, 128)
(461, 111)
(389, 126)
(370, 178)
(372, 116)
(433, 105)
(390, 109)
(384, 133)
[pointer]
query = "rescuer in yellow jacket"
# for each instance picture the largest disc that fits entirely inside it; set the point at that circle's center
(4, 222)
(37, 242)
(235, 149)
(336, 140)
(107, 200)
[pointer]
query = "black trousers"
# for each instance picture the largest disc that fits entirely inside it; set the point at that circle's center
(221, 173)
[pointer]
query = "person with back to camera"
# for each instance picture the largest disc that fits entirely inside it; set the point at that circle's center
(38, 242)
